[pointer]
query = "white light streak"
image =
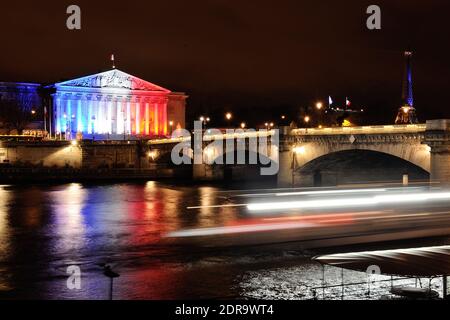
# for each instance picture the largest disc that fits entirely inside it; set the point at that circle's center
(287, 194)
(350, 202)
(238, 229)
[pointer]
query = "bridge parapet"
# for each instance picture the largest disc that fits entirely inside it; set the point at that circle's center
(369, 130)
(437, 137)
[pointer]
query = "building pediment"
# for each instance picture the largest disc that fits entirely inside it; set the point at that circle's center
(112, 79)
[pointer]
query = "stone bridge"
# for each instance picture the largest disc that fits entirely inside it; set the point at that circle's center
(422, 151)
(423, 146)
(216, 156)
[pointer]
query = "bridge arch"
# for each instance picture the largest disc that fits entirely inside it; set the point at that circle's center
(414, 152)
(356, 166)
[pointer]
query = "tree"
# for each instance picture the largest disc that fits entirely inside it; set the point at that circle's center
(15, 115)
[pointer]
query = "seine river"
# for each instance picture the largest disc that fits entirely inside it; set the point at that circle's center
(44, 229)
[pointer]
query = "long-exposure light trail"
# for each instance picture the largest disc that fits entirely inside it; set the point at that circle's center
(300, 222)
(238, 229)
(288, 194)
(349, 202)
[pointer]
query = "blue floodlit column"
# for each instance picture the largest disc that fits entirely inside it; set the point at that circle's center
(57, 112)
(79, 115)
(68, 113)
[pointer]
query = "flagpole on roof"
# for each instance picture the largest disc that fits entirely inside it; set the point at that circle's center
(113, 61)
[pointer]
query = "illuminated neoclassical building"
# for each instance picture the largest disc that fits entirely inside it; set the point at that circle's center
(115, 103)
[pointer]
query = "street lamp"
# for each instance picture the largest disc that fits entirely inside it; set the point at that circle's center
(319, 105)
(243, 125)
(307, 119)
(171, 127)
(228, 116)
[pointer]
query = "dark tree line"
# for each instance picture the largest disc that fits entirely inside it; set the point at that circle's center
(18, 109)
(14, 116)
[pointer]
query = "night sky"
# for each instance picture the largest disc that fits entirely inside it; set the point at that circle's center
(256, 58)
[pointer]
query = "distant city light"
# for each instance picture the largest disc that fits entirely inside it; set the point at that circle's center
(243, 125)
(347, 123)
(152, 154)
(228, 116)
(307, 119)
(319, 105)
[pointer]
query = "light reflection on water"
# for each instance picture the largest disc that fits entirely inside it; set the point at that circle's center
(46, 228)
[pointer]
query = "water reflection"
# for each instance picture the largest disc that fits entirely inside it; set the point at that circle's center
(68, 220)
(5, 197)
(5, 234)
(44, 229)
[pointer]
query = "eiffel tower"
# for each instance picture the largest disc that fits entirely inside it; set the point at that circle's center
(407, 112)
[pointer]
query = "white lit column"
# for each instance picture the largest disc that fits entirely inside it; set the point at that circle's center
(128, 116)
(109, 110)
(138, 116)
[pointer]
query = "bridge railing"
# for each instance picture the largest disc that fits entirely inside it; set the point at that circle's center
(409, 128)
(215, 137)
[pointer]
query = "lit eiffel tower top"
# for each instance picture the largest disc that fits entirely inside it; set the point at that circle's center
(407, 95)
(407, 113)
